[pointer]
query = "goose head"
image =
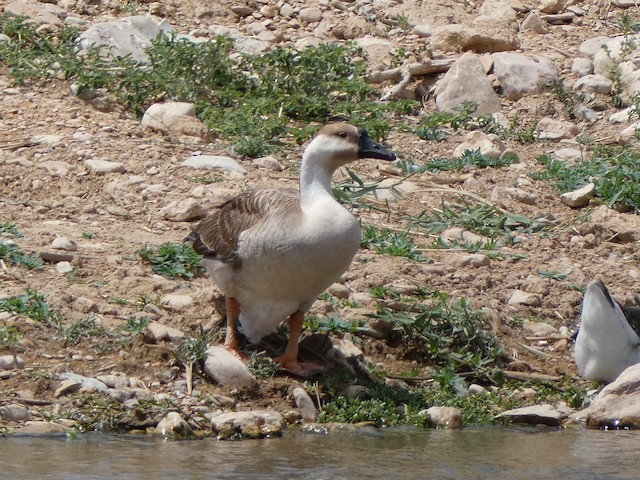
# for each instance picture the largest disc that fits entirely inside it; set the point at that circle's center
(337, 144)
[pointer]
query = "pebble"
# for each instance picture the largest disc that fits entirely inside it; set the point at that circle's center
(157, 332)
(225, 368)
(445, 417)
(14, 413)
(176, 302)
(173, 425)
(63, 243)
(518, 297)
(544, 414)
(306, 407)
(580, 197)
(9, 362)
(104, 166)
(183, 210)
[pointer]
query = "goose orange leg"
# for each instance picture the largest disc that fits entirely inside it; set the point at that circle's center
(289, 360)
(231, 336)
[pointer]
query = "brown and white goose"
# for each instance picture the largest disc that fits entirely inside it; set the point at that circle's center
(272, 252)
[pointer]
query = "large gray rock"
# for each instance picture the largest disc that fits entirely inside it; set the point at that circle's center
(481, 39)
(9, 362)
(227, 369)
(466, 81)
(125, 36)
(255, 424)
(87, 383)
(520, 75)
(618, 404)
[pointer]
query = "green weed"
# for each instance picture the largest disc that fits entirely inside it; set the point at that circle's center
(30, 304)
(430, 127)
(386, 242)
(262, 366)
(469, 159)
(486, 220)
(9, 336)
(7, 227)
(135, 326)
(13, 255)
(333, 324)
(84, 328)
(552, 274)
(173, 260)
(448, 333)
(615, 173)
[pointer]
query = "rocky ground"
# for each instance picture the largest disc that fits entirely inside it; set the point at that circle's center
(91, 187)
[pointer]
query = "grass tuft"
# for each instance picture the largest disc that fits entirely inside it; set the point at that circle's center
(173, 260)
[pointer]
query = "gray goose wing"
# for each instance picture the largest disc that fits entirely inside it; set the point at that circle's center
(632, 314)
(217, 235)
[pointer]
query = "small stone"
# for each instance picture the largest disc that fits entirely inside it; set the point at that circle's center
(582, 66)
(537, 414)
(227, 369)
(41, 428)
(183, 211)
(287, 10)
(156, 333)
(14, 413)
(63, 268)
(215, 162)
(580, 197)
(173, 425)
(475, 260)
(551, 129)
(176, 302)
(269, 162)
(101, 166)
(307, 408)
(242, 10)
(66, 387)
(9, 362)
(253, 424)
(310, 15)
(539, 329)
(63, 243)
(524, 298)
(339, 290)
(445, 417)
(533, 22)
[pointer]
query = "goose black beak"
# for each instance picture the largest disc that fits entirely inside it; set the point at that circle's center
(367, 148)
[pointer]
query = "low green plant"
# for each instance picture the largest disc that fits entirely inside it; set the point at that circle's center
(7, 227)
(173, 260)
(12, 254)
(352, 191)
(9, 336)
(256, 101)
(566, 96)
(30, 304)
(333, 324)
(449, 333)
(386, 242)
(430, 126)
(469, 159)
(487, 220)
(262, 366)
(135, 326)
(614, 171)
(84, 328)
(552, 274)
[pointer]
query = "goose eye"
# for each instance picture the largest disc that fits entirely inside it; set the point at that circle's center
(342, 134)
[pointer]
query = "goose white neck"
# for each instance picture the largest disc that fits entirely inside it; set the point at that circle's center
(315, 177)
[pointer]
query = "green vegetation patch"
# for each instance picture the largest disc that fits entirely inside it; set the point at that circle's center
(387, 242)
(254, 100)
(173, 260)
(469, 159)
(32, 305)
(481, 218)
(448, 333)
(615, 173)
(12, 254)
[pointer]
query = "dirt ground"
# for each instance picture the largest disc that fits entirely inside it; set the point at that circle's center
(112, 216)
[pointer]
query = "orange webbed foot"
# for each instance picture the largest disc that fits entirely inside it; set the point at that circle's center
(300, 369)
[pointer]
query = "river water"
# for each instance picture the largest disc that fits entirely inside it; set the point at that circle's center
(407, 453)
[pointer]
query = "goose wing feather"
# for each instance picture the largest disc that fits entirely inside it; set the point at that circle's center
(218, 234)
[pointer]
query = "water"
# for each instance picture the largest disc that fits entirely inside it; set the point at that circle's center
(471, 453)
